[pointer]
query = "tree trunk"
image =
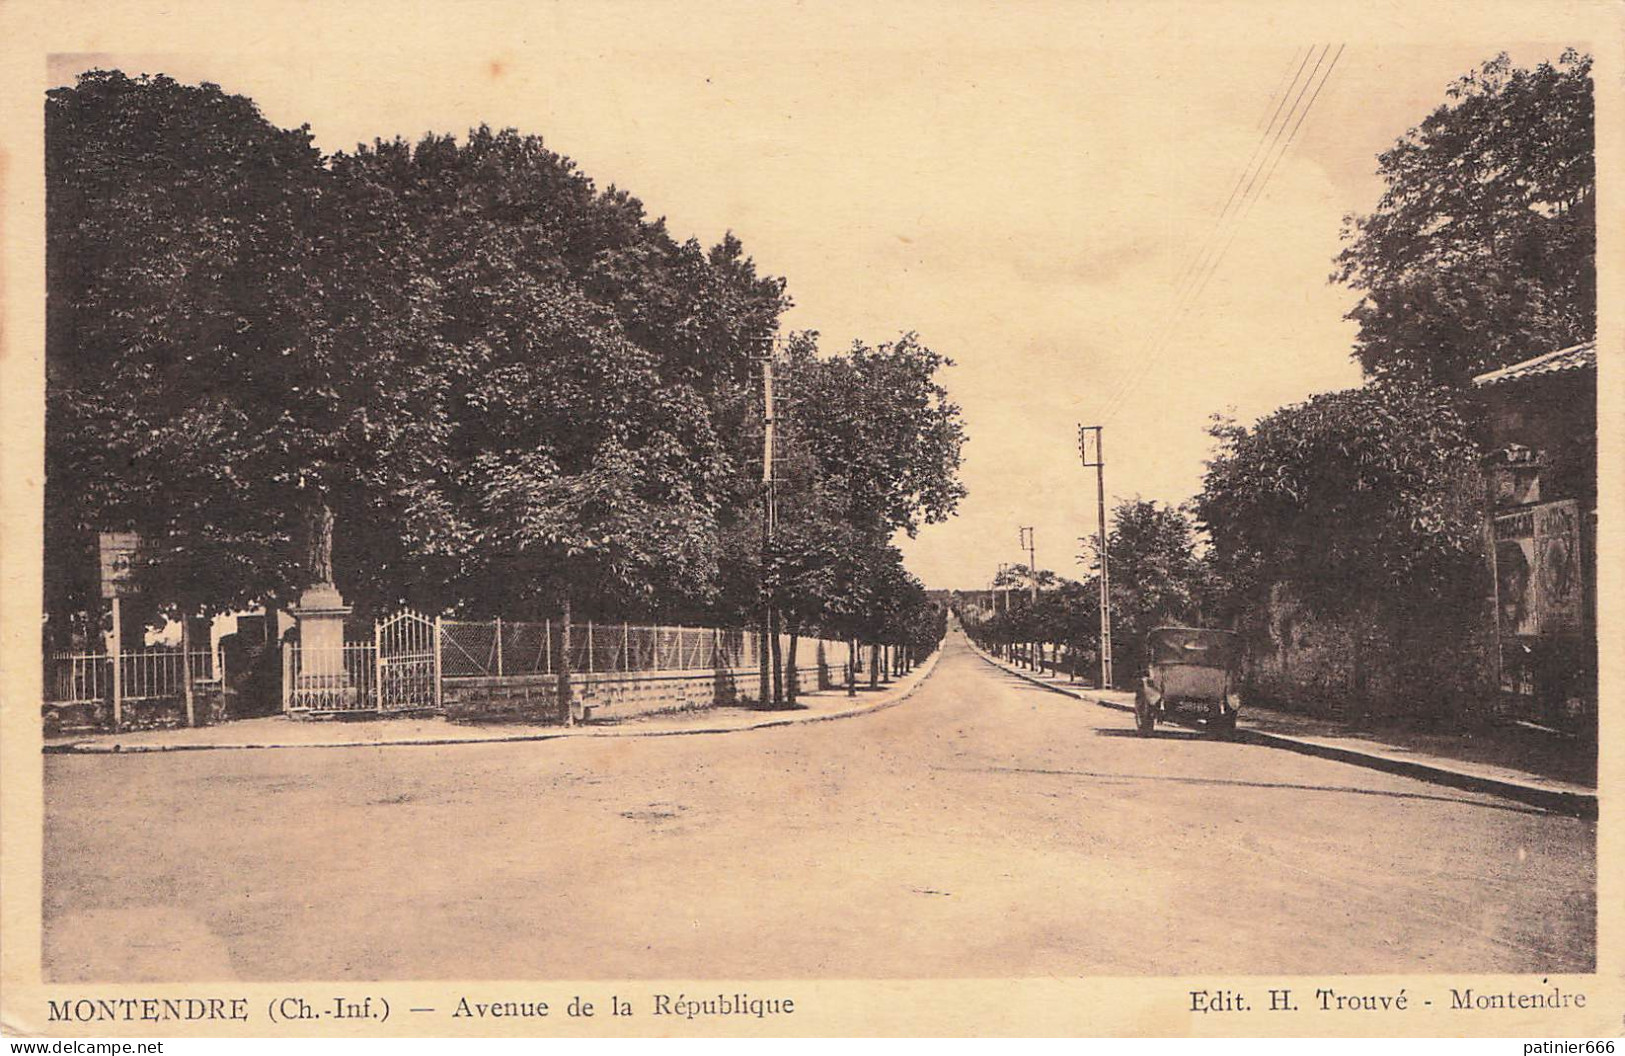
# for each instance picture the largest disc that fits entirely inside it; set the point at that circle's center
(874, 666)
(186, 670)
(566, 712)
(764, 657)
(852, 667)
(778, 659)
(791, 674)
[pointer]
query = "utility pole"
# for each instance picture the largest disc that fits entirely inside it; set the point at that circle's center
(1035, 650)
(1003, 582)
(1032, 560)
(1099, 465)
(768, 673)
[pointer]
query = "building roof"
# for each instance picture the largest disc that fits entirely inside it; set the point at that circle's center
(1579, 357)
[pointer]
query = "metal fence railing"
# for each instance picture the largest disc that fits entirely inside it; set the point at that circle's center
(150, 674)
(329, 679)
(400, 671)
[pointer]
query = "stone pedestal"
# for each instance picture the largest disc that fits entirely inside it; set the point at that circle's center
(322, 680)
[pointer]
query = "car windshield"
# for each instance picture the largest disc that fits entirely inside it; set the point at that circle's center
(1192, 645)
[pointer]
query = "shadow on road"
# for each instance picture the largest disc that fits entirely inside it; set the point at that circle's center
(1512, 808)
(1160, 735)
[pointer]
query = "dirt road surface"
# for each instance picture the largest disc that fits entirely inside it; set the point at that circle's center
(984, 827)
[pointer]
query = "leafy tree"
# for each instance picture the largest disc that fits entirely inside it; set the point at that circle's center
(1482, 249)
(871, 447)
(600, 372)
(507, 387)
(499, 381)
(1070, 615)
(1366, 504)
(1066, 612)
(882, 428)
(192, 392)
(1156, 572)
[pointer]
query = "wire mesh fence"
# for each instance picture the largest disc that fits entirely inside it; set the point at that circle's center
(502, 648)
(405, 665)
(495, 648)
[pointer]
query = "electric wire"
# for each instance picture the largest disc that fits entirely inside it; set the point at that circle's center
(1183, 281)
(1256, 187)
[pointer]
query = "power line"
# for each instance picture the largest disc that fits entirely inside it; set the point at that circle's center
(1194, 263)
(1307, 52)
(1304, 113)
(1247, 195)
(1183, 281)
(1306, 109)
(1192, 291)
(1295, 103)
(1277, 91)
(1212, 239)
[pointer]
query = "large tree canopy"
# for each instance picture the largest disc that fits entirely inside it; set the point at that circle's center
(1482, 249)
(1156, 573)
(457, 372)
(1367, 497)
(882, 430)
(186, 366)
(599, 368)
(497, 380)
(872, 447)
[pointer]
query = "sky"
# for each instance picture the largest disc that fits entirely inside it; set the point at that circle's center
(1021, 185)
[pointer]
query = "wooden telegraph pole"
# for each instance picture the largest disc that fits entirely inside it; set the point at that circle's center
(1032, 560)
(1006, 649)
(1035, 650)
(1099, 466)
(769, 688)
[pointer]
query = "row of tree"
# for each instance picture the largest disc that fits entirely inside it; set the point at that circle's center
(1366, 505)
(1160, 573)
(452, 375)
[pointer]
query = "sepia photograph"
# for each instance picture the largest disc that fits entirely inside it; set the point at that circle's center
(726, 499)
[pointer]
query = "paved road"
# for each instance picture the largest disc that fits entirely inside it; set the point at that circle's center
(984, 827)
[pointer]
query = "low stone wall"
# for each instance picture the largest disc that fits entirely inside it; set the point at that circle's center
(208, 708)
(599, 695)
(1356, 668)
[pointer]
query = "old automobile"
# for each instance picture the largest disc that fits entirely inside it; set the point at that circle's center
(1190, 675)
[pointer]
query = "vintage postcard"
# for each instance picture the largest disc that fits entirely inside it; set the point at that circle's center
(941, 518)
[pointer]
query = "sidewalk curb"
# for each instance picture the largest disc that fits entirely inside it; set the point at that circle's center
(1574, 804)
(93, 748)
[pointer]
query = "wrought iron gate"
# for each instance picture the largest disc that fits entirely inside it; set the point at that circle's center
(407, 648)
